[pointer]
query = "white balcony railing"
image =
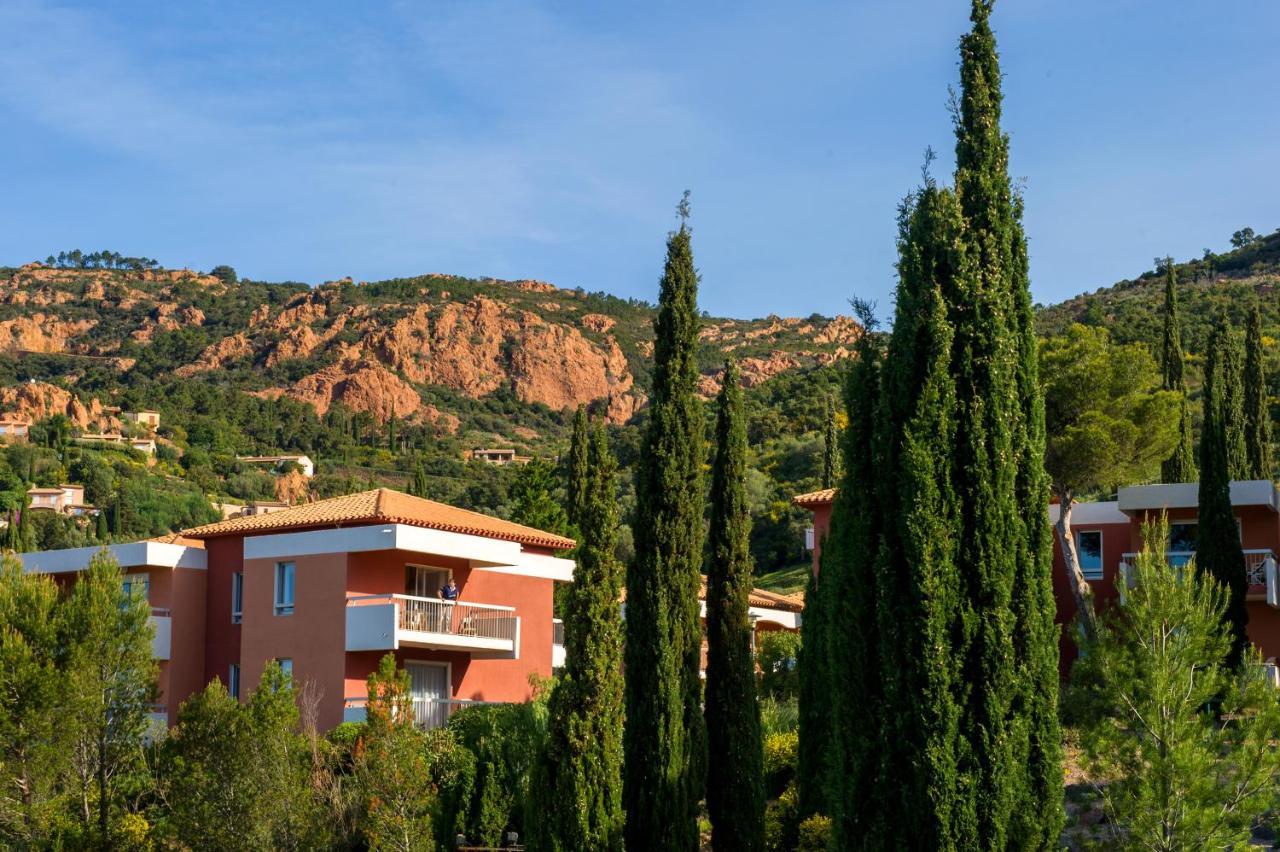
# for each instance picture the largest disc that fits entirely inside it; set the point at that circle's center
(427, 712)
(382, 622)
(1255, 564)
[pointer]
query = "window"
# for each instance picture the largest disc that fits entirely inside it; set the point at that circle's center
(286, 666)
(137, 586)
(237, 596)
(233, 680)
(284, 588)
(1089, 548)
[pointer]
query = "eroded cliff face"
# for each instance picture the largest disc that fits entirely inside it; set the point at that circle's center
(38, 400)
(375, 348)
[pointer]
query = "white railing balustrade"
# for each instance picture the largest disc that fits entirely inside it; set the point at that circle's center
(1255, 564)
(427, 712)
(454, 618)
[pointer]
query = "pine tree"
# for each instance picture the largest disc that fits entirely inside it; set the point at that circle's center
(1181, 466)
(830, 447)
(534, 504)
(1257, 412)
(665, 739)
(735, 757)
(418, 484)
(1218, 551)
(576, 485)
(580, 772)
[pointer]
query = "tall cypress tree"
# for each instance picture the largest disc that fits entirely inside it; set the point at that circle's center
(665, 739)
(735, 756)
(1181, 466)
(580, 772)
(1257, 413)
(418, 483)
(830, 447)
(1231, 398)
(578, 472)
(1218, 551)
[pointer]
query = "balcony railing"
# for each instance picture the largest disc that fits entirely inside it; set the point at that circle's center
(433, 622)
(427, 712)
(1255, 560)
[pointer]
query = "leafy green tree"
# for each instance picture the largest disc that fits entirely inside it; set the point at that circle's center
(32, 694)
(1181, 466)
(578, 468)
(1218, 551)
(111, 682)
(830, 447)
(1108, 425)
(1243, 237)
(1185, 742)
(1257, 412)
(392, 769)
(534, 504)
(284, 761)
(735, 785)
(579, 787)
(665, 739)
(224, 273)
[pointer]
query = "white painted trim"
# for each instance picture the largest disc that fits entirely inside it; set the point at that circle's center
(537, 565)
(138, 554)
(161, 636)
(781, 617)
(480, 551)
(1185, 495)
(1102, 512)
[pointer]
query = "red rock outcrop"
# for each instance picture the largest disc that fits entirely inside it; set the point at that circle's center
(40, 333)
(38, 400)
(216, 355)
(364, 385)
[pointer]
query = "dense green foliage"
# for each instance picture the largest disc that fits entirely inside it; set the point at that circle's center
(1181, 465)
(578, 782)
(1257, 413)
(1218, 552)
(1186, 744)
(665, 741)
(735, 792)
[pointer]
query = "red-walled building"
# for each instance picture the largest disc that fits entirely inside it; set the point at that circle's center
(328, 588)
(1109, 534)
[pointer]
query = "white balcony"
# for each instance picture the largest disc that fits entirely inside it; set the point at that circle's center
(427, 712)
(1259, 571)
(162, 625)
(388, 622)
(557, 643)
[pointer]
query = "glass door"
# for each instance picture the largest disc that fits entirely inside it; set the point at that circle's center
(429, 688)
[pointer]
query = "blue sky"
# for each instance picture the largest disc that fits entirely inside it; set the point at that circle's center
(311, 141)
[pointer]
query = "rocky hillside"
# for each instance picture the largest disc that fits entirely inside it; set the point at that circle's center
(385, 348)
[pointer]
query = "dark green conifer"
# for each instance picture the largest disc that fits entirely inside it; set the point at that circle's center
(814, 783)
(1218, 551)
(830, 447)
(1257, 412)
(665, 739)
(580, 777)
(576, 483)
(1231, 398)
(735, 756)
(1181, 466)
(418, 484)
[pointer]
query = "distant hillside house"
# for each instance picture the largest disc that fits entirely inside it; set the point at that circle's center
(148, 418)
(14, 427)
(65, 500)
(145, 445)
(496, 456)
(278, 462)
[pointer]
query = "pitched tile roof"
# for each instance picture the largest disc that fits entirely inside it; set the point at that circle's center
(382, 506)
(815, 498)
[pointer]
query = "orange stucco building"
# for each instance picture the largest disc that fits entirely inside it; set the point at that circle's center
(328, 588)
(1108, 535)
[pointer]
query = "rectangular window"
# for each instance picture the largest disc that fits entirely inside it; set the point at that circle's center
(237, 596)
(137, 586)
(1089, 548)
(1182, 542)
(233, 680)
(284, 588)
(286, 666)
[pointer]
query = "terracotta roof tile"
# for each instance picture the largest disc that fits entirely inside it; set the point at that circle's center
(382, 506)
(815, 498)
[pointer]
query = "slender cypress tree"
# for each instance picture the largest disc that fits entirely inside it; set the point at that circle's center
(580, 775)
(1257, 413)
(1218, 551)
(578, 473)
(814, 782)
(418, 484)
(830, 447)
(1231, 398)
(735, 755)
(665, 738)
(1181, 466)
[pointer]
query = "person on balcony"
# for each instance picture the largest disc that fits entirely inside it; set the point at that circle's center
(449, 595)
